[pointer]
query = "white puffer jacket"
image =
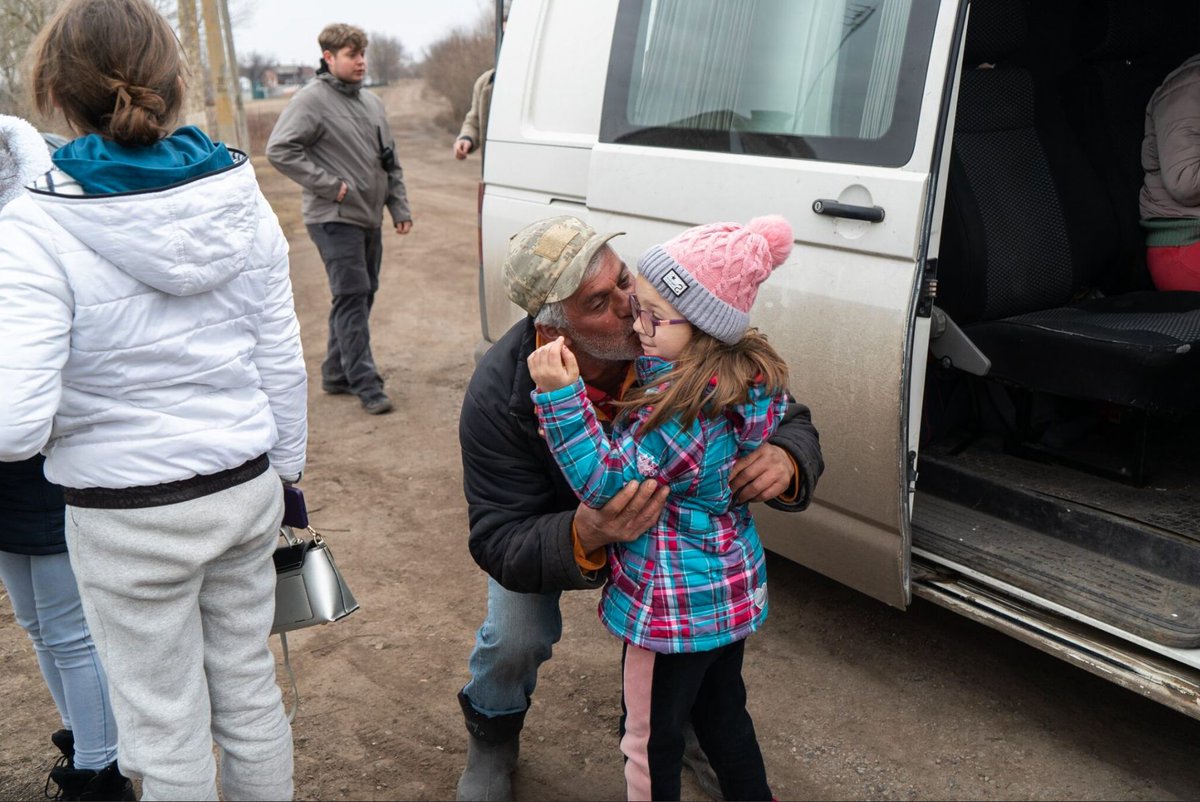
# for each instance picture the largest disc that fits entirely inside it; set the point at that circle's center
(149, 337)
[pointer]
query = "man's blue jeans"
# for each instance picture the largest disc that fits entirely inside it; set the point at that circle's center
(517, 636)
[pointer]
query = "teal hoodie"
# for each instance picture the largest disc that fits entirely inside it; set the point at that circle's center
(104, 167)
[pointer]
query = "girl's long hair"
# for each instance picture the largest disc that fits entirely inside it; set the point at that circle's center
(709, 377)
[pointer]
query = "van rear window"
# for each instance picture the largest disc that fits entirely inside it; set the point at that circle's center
(833, 80)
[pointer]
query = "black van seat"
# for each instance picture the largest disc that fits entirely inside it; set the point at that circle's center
(1136, 350)
(1123, 61)
(1029, 228)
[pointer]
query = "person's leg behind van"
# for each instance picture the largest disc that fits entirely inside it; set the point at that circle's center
(725, 729)
(139, 573)
(517, 636)
(237, 607)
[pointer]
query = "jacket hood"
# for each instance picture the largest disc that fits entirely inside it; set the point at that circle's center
(104, 167)
(23, 156)
(182, 240)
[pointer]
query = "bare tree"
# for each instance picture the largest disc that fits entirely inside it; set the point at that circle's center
(20, 21)
(253, 65)
(387, 58)
(453, 62)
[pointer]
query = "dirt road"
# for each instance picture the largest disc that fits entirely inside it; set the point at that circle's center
(852, 700)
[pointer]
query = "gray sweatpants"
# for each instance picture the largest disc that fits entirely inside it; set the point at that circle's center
(180, 599)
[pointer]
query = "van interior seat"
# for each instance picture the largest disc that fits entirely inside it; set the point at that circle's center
(1029, 229)
(1123, 59)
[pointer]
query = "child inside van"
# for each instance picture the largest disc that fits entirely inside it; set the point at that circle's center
(685, 595)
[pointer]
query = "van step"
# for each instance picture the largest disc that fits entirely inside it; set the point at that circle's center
(1160, 606)
(1170, 502)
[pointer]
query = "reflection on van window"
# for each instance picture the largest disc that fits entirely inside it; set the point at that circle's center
(770, 76)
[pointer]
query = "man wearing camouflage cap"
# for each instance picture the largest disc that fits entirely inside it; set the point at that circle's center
(528, 530)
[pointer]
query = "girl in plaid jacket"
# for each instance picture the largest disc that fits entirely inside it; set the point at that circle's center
(685, 595)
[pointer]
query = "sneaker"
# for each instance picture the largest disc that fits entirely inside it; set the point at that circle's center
(335, 388)
(377, 404)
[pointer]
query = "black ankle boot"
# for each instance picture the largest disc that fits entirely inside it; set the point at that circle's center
(64, 741)
(106, 784)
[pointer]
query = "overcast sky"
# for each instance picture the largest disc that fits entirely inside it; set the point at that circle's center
(287, 29)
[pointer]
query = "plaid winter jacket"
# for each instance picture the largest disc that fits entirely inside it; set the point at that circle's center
(697, 579)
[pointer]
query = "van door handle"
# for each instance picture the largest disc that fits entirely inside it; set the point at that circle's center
(832, 208)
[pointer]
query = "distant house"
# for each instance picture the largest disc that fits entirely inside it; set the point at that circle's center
(283, 79)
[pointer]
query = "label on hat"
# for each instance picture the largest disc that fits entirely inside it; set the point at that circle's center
(674, 283)
(556, 239)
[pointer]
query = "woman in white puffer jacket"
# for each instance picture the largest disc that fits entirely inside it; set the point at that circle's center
(151, 351)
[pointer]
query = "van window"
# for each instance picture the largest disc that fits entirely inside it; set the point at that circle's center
(835, 80)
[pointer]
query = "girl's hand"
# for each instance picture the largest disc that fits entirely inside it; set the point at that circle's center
(553, 366)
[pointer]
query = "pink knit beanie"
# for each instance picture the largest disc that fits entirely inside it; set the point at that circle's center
(711, 273)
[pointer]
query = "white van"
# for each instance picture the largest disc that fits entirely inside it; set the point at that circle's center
(1008, 411)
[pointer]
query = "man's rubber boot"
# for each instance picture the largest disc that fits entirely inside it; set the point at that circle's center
(695, 759)
(488, 775)
(493, 745)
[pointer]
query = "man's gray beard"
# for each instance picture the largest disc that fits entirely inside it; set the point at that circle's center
(616, 349)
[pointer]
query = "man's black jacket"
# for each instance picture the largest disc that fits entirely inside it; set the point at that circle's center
(519, 505)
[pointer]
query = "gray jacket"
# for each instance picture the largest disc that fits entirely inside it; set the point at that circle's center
(331, 132)
(1171, 149)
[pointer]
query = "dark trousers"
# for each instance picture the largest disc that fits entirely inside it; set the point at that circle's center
(352, 256)
(660, 693)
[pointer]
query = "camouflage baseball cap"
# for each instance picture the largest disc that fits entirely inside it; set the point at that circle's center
(547, 259)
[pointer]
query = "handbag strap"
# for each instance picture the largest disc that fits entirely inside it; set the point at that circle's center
(289, 535)
(287, 664)
(292, 539)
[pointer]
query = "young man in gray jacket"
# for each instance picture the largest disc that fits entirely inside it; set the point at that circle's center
(333, 139)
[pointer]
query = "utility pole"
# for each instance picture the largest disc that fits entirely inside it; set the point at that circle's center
(194, 109)
(221, 73)
(239, 112)
(214, 96)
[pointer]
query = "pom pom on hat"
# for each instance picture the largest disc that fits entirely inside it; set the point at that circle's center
(711, 273)
(778, 234)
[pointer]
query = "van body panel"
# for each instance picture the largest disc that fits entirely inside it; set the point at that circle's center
(556, 171)
(684, 186)
(866, 557)
(551, 50)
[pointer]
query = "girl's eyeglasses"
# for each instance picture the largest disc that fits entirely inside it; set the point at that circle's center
(650, 323)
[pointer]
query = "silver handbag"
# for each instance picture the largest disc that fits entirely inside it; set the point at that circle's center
(309, 589)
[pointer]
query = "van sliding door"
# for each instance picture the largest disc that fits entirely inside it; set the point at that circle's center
(828, 112)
